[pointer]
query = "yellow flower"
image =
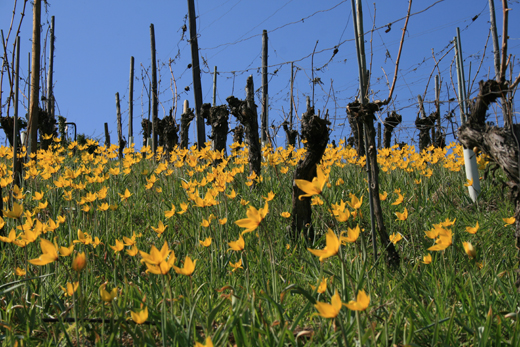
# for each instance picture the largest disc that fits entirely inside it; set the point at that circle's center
(427, 259)
(237, 245)
(329, 310)
(132, 251)
(164, 266)
(331, 248)
(508, 221)
(49, 253)
(126, 195)
(155, 257)
(361, 303)
(352, 235)
(394, 238)
(355, 203)
(237, 265)
(222, 221)
(187, 269)
(160, 228)
(79, 262)
(19, 272)
(140, 317)
(254, 218)
(322, 287)
(206, 242)
(398, 200)
(205, 223)
(285, 214)
(468, 183)
(232, 195)
(118, 246)
(10, 238)
(207, 344)
(270, 196)
(469, 249)
(402, 216)
(71, 288)
(383, 196)
(15, 212)
(66, 251)
(103, 207)
(170, 213)
(312, 188)
(105, 295)
(244, 202)
(444, 240)
(472, 230)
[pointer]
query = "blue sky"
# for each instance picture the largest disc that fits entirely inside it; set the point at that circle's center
(95, 40)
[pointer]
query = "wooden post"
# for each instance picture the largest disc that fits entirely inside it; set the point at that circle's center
(32, 127)
(50, 94)
(197, 88)
(131, 104)
(421, 106)
(378, 135)
(16, 165)
(264, 88)
(154, 90)
(107, 136)
(29, 62)
(437, 140)
(291, 98)
(214, 86)
(120, 140)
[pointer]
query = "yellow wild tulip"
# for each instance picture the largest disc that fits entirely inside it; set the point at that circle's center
(331, 248)
(49, 253)
(362, 302)
(140, 317)
(187, 269)
(312, 188)
(237, 245)
(254, 218)
(331, 310)
(79, 263)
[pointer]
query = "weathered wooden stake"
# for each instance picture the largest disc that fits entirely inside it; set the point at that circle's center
(17, 168)
(197, 87)
(50, 93)
(264, 89)
(107, 136)
(131, 104)
(32, 127)
(214, 86)
(154, 91)
(186, 118)
(120, 141)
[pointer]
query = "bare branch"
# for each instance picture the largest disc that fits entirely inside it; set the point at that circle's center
(399, 54)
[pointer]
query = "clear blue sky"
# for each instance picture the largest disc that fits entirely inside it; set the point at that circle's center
(95, 40)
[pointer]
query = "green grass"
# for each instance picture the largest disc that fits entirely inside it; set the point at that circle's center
(269, 302)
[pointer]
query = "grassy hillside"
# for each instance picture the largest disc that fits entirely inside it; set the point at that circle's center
(146, 251)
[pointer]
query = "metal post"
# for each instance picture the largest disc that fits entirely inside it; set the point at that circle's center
(470, 160)
(360, 44)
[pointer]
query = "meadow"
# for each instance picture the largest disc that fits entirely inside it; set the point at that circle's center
(188, 249)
